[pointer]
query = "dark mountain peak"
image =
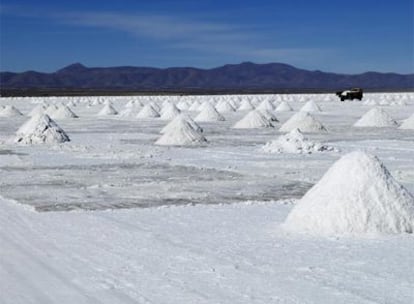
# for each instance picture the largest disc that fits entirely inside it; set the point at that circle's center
(75, 67)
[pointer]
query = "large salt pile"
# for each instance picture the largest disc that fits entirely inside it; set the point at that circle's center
(148, 111)
(181, 134)
(304, 122)
(10, 111)
(284, 107)
(41, 129)
(266, 105)
(253, 119)
(63, 111)
(294, 142)
(209, 113)
(376, 117)
(108, 109)
(356, 196)
(408, 124)
(268, 115)
(169, 111)
(311, 106)
(177, 121)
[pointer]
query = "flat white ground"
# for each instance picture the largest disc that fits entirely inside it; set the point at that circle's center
(212, 233)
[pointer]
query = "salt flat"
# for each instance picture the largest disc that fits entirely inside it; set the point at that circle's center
(209, 232)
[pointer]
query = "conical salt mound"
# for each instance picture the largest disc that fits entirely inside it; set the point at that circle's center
(209, 113)
(108, 109)
(356, 196)
(41, 130)
(253, 119)
(183, 105)
(268, 115)
(63, 111)
(194, 106)
(245, 105)
(311, 106)
(130, 111)
(148, 112)
(376, 117)
(408, 124)
(169, 111)
(304, 122)
(177, 121)
(266, 105)
(294, 142)
(182, 134)
(224, 107)
(284, 107)
(10, 111)
(38, 110)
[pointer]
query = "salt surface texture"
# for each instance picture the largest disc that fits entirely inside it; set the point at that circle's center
(294, 142)
(304, 122)
(376, 117)
(39, 130)
(357, 195)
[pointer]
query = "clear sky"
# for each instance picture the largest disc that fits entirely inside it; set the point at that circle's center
(349, 36)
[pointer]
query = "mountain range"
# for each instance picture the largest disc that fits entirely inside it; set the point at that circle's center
(247, 75)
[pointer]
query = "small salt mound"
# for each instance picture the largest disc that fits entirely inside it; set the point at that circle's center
(284, 107)
(294, 142)
(176, 122)
(311, 106)
(41, 129)
(108, 109)
(268, 115)
(10, 111)
(181, 135)
(209, 113)
(376, 117)
(303, 121)
(266, 105)
(408, 124)
(356, 196)
(148, 112)
(169, 111)
(63, 111)
(38, 110)
(245, 105)
(224, 107)
(253, 119)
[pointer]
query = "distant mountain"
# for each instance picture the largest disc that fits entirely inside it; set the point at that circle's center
(247, 75)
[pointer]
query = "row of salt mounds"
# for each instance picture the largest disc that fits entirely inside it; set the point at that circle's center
(311, 106)
(284, 106)
(357, 195)
(169, 111)
(209, 113)
(177, 120)
(148, 111)
(181, 133)
(252, 120)
(376, 117)
(108, 110)
(9, 111)
(61, 112)
(408, 124)
(41, 129)
(304, 122)
(294, 142)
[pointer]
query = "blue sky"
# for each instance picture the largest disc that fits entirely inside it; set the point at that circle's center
(330, 35)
